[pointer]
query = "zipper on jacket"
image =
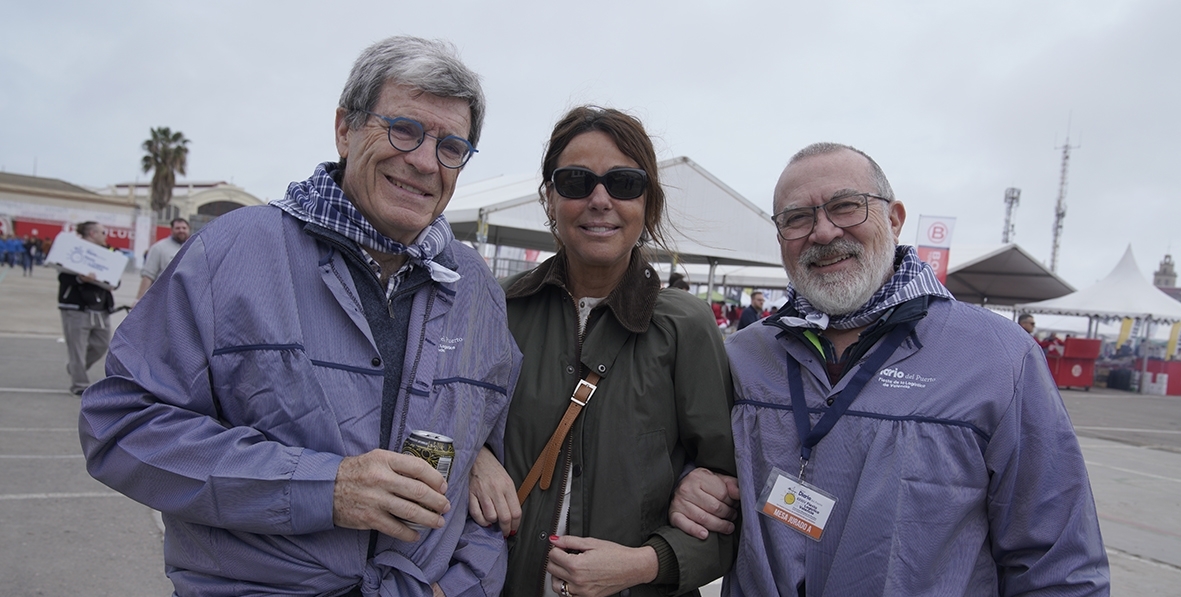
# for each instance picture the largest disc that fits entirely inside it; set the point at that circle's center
(405, 406)
(558, 511)
(569, 448)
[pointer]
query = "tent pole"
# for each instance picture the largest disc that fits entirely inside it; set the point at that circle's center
(1144, 358)
(709, 293)
(481, 231)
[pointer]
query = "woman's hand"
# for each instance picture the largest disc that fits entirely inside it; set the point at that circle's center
(492, 496)
(593, 567)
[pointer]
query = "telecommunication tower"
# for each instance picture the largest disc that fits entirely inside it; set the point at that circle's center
(1060, 208)
(1012, 198)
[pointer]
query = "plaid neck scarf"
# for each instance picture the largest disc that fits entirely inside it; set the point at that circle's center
(321, 201)
(912, 278)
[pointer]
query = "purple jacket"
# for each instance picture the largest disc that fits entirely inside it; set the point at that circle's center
(956, 470)
(249, 371)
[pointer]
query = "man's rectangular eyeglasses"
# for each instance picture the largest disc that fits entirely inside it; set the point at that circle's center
(844, 211)
(406, 134)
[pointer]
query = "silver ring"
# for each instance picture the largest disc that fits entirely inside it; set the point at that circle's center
(565, 591)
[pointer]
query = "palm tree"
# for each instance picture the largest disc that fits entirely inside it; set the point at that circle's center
(166, 153)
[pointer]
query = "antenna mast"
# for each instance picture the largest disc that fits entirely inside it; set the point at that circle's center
(1060, 208)
(1012, 198)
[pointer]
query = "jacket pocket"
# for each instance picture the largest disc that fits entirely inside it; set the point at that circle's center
(651, 453)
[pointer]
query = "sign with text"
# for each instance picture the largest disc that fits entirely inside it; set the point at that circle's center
(934, 243)
(73, 254)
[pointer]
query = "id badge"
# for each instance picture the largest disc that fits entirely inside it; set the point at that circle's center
(801, 506)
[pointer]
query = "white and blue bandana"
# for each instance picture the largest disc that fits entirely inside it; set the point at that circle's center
(321, 201)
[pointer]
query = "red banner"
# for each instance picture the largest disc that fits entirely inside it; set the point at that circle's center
(120, 238)
(934, 243)
(937, 259)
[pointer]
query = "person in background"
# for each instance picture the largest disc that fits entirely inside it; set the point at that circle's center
(86, 306)
(29, 255)
(1025, 320)
(677, 280)
(719, 311)
(753, 312)
(595, 493)
(890, 439)
(306, 340)
(161, 254)
(8, 250)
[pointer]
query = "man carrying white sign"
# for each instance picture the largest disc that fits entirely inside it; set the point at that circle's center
(86, 308)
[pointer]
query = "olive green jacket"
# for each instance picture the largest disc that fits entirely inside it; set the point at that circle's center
(664, 401)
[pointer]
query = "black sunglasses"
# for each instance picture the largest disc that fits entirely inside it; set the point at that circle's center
(573, 182)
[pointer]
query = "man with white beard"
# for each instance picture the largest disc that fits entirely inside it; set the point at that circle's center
(890, 440)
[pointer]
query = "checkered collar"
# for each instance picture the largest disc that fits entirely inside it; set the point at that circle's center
(320, 200)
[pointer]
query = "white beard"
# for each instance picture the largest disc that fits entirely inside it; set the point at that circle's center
(843, 292)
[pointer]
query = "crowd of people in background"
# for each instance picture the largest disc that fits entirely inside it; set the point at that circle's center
(24, 252)
(729, 316)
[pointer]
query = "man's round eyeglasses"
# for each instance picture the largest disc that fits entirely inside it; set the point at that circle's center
(844, 211)
(406, 134)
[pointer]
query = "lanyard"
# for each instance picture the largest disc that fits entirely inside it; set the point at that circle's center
(810, 436)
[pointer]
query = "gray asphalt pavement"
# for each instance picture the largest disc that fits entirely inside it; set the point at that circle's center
(62, 533)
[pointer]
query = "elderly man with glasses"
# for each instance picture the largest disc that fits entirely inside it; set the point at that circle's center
(307, 341)
(890, 440)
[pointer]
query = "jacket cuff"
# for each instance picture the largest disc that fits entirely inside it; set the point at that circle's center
(668, 572)
(312, 487)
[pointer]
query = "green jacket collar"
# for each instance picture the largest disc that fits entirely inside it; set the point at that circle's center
(632, 302)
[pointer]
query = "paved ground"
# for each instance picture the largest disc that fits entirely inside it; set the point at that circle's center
(62, 533)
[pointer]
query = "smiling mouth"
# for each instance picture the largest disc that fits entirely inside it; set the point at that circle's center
(406, 187)
(831, 261)
(599, 229)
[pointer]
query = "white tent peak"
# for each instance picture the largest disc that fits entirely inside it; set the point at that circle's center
(1125, 292)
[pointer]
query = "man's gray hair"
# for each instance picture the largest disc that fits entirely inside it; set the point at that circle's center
(879, 177)
(431, 66)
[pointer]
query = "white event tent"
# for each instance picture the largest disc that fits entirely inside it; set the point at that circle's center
(1124, 293)
(710, 223)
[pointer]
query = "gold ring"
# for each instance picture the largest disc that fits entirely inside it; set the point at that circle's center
(565, 591)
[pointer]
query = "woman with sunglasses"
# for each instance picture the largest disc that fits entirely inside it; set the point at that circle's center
(596, 491)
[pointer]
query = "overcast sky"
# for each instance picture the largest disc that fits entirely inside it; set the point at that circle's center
(956, 100)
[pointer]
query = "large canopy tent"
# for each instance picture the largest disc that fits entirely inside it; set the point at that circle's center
(1124, 293)
(1000, 275)
(709, 222)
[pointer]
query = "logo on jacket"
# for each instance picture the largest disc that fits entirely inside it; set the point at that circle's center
(893, 377)
(446, 343)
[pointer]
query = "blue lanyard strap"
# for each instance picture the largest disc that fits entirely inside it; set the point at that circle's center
(810, 436)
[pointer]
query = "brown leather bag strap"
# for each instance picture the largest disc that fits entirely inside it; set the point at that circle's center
(543, 468)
